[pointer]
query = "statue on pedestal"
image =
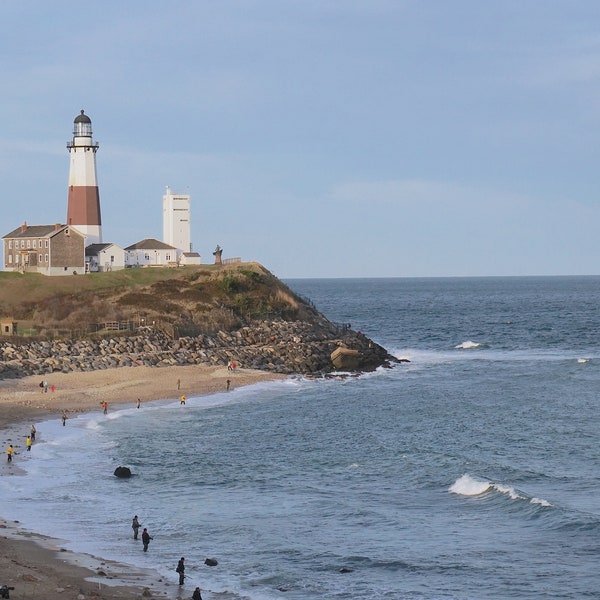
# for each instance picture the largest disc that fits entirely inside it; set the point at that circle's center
(217, 254)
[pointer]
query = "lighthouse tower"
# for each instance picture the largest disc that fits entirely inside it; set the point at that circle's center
(176, 220)
(83, 210)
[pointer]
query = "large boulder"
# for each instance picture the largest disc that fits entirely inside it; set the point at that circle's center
(123, 472)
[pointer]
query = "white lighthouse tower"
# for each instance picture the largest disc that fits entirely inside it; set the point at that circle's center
(83, 210)
(176, 220)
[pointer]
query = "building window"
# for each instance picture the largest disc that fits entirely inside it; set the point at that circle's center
(10, 259)
(9, 244)
(46, 245)
(40, 258)
(168, 257)
(28, 244)
(22, 243)
(35, 243)
(46, 258)
(147, 256)
(17, 258)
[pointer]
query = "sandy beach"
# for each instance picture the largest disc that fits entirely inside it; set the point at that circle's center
(38, 567)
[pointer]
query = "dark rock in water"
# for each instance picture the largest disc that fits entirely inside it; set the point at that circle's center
(345, 570)
(211, 562)
(123, 472)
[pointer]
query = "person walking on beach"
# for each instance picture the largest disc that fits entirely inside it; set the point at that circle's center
(9, 453)
(181, 570)
(179, 384)
(146, 537)
(33, 433)
(182, 400)
(104, 405)
(64, 418)
(28, 443)
(139, 402)
(197, 595)
(135, 526)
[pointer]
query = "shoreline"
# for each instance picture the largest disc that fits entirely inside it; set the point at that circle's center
(36, 565)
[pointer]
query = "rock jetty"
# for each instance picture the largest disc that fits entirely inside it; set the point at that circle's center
(286, 347)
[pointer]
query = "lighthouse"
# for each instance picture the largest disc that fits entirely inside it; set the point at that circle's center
(83, 210)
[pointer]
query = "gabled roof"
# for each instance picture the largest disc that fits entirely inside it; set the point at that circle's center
(94, 249)
(31, 231)
(191, 254)
(150, 244)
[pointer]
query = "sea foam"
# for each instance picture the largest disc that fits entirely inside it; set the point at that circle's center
(468, 486)
(467, 345)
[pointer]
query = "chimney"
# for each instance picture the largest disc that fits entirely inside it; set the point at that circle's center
(57, 226)
(24, 227)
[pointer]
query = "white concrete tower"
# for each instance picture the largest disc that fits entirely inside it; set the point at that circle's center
(176, 220)
(83, 210)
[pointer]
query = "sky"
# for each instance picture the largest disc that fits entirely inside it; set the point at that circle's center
(381, 138)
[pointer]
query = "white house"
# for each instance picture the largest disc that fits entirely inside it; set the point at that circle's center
(104, 257)
(189, 258)
(151, 253)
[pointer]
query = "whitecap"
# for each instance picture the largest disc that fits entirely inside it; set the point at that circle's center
(583, 360)
(540, 501)
(468, 486)
(467, 345)
(509, 491)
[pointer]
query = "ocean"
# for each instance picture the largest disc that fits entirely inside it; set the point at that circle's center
(470, 472)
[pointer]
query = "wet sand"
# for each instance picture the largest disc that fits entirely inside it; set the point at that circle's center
(37, 566)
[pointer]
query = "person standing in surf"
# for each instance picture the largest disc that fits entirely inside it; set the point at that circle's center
(135, 525)
(146, 537)
(181, 570)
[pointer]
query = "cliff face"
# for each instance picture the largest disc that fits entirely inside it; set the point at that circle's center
(240, 314)
(183, 301)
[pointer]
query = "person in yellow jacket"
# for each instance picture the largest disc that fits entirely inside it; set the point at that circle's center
(28, 443)
(9, 452)
(182, 401)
